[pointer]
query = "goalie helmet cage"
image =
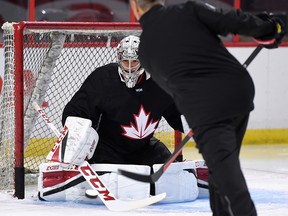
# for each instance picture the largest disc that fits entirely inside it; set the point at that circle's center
(47, 62)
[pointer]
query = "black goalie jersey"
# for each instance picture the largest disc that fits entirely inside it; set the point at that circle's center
(125, 118)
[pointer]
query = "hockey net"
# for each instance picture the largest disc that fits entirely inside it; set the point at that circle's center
(47, 62)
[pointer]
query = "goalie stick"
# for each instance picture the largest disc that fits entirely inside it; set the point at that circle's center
(109, 200)
(152, 178)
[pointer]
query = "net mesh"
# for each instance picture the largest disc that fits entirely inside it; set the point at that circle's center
(7, 114)
(55, 64)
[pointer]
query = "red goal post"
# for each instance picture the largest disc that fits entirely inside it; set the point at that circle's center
(47, 62)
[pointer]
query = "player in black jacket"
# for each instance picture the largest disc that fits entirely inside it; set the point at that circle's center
(125, 107)
(181, 50)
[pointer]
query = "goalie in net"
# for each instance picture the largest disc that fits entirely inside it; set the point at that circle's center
(124, 106)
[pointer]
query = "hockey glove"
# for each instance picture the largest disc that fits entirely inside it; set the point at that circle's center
(80, 143)
(272, 40)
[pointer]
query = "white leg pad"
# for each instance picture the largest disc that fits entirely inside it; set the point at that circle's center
(126, 188)
(56, 184)
(179, 184)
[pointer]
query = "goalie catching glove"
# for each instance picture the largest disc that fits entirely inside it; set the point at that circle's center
(272, 40)
(78, 145)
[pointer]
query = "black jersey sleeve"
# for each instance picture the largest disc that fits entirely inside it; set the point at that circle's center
(84, 102)
(173, 117)
(224, 21)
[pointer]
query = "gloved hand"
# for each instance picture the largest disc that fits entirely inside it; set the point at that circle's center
(272, 40)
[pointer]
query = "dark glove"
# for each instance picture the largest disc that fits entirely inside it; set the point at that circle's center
(272, 40)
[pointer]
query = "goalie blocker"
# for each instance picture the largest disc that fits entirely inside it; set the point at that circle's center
(179, 182)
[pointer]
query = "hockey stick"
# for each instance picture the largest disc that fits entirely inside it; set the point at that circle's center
(155, 176)
(252, 55)
(110, 201)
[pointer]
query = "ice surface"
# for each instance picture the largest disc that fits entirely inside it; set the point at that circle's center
(265, 169)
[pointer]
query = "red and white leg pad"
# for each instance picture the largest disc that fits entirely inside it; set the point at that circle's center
(56, 184)
(202, 178)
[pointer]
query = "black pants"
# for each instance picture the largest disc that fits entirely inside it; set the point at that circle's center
(220, 144)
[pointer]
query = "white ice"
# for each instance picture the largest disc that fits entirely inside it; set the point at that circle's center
(265, 168)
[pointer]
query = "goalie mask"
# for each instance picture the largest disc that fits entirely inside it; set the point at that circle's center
(129, 65)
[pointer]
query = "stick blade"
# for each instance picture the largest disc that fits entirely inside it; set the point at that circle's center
(141, 177)
(136, 176)
(108, 198)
